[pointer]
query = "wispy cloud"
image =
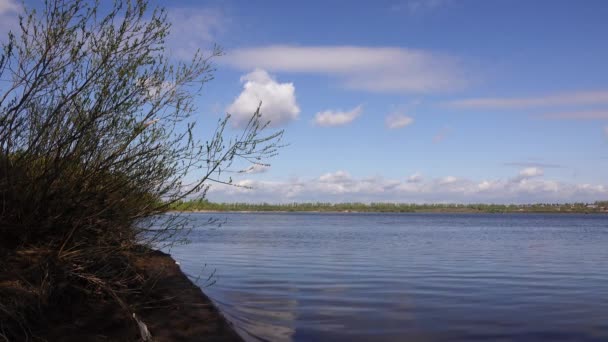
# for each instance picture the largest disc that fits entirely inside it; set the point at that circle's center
(418, 6)
(278, 100)
(8, 6)
(528, 185)
(398, 119)
(337, 117)
(578, 115)
(564, 99)
(527, 164)
(529, 172)
(415, 178)
(441, 135)
(378, 69)
(256, 168)
(192, 29)
(9, 10)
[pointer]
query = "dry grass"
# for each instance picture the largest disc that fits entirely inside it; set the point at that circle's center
(41, 291)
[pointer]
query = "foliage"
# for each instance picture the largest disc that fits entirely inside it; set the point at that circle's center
(97, 136)
(202, 205)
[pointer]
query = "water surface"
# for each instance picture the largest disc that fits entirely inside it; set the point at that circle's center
(405, 277)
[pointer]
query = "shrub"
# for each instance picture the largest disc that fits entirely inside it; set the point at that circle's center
(96, 136)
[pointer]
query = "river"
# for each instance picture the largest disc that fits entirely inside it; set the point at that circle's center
(404, 277)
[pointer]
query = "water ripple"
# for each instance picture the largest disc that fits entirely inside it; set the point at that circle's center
(414, 277)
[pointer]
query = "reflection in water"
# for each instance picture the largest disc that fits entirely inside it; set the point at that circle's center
(264, 316)
(414, 277)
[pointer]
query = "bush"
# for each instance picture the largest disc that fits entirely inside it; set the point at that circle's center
(96, 136)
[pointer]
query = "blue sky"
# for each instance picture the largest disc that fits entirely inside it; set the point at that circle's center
(410, 101)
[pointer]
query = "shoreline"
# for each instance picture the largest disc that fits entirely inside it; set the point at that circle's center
(204, 206)
(170, 307)
(383, 212)
(185, 313)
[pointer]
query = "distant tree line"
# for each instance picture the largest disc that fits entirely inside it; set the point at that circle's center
(205, 205)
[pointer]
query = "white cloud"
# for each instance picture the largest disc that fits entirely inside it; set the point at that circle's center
(415, 178)
(8, 17)
(574, 98)
(530, 172)
(534, 164)
(256, 168)
(526, 187)
(157, 90)
(278, 100)
(398, 120)
(193, 29)
(336, 117)
(340, 186)
(448, 180)
(578, 115)
(9, 6)
(335, 177)
(441, 135)
(527, 173)
(379, 69)
(485, 185)
(417, 6)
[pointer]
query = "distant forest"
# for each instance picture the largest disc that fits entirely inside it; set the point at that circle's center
(204, 205)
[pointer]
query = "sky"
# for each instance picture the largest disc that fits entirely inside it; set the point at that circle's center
(417, 101)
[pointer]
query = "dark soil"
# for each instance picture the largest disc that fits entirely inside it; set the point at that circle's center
(182, 312)
(173, 308)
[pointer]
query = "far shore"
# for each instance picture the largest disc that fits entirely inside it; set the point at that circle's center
(195, 211)
(204, 206)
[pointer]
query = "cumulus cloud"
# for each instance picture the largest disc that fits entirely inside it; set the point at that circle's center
(278, 100)
(378, 69)
(329, 118)
(527, 186)
(448, 180)
(594, 97)
(530, 172)
(398, 120)
(527, 173)
(335, 177)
